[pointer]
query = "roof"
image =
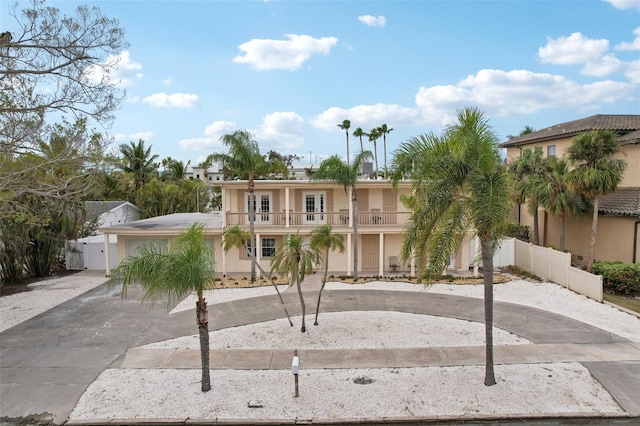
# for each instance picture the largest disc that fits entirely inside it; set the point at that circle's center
(168, 224)
(622, 202)
(98, 207)
(623, 125)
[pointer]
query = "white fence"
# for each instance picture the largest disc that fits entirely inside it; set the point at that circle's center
(555, 266)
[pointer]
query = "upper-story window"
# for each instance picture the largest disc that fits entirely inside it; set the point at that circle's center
(551, 150)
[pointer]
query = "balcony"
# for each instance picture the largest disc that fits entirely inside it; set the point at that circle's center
(372, 218)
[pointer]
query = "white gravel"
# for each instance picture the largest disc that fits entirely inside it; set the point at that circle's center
(331, 393)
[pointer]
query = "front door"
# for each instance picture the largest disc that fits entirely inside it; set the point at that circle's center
(314, 208)
(370, 252)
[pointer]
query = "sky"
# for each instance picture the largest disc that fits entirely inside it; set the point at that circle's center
(291, 71)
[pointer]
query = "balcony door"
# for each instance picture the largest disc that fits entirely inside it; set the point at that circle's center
(314, 205)
(263, 207)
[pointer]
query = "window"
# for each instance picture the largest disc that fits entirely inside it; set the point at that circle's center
(268, 247)
(244, 253)
(551, 150)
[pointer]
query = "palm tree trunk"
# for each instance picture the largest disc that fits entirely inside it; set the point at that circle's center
(361, 146)
(385, 155)
(354, 207)
(562, 230)
(203, 331)
(594, 228)
(536, 230)
(347, 133)
(324, 281)
(487, 265)
(262, 271)
(375, 151)
(302, 305)
(252, 220)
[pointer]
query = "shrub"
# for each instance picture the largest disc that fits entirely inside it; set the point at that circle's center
(618, 277)
(516, 230)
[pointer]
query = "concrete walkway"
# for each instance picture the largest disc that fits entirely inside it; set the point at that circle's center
(49, 361)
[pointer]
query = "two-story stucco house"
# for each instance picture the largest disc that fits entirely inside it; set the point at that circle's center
(287, 207)
(618, 236)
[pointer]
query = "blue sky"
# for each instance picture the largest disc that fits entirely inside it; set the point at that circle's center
(290, 71)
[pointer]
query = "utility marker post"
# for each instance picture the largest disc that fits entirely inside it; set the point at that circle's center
(295, 368)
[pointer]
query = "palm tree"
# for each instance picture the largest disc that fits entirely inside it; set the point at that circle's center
(556, 194)
(459, 183)
(374, 135)
(384, 131)
(333, 169)
(595, 172)
(245, 161)
(345, 125)
(527, 129)
(175, 170)
(323, 239)
(296, 260)
(173, 273)
(359, 134)
(528, 170)
(236, 237)
(137, 160)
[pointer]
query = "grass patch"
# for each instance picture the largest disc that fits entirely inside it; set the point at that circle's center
(519, 272)
(627, 302)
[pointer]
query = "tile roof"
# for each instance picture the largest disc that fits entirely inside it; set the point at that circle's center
(623, 125)
(623, 202)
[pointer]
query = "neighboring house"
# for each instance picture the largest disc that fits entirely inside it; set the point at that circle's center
(109, 213)
(289, 206)
(618, 236)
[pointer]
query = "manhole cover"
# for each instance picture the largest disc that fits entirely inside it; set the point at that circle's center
(363, 380)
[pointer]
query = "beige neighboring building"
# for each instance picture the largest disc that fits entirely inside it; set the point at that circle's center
(290, 206)
(618, 236)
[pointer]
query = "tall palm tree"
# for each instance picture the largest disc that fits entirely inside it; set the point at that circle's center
(236, 237)
(172, 273)
(374, 135)
(333, 169)
(459, 183)
(296, 260)
(175, 170)
(358, 133)
(596, 172)
(556, 194)
(345, 125)
(384, 131)
(528, 171)
(137, 160)
(322, 239)
(245, 161)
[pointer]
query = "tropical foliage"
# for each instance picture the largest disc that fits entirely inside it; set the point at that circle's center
(459, 184)
(335, 170)
(323, 240)
(171, 274)
(346, 125)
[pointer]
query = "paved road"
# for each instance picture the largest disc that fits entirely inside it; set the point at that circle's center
(46, 363)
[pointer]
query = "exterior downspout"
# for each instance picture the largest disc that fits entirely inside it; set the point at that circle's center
(635, 241)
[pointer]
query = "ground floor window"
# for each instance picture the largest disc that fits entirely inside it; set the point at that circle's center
(268, 247)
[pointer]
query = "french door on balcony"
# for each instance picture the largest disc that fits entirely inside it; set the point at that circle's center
(263, 206)
(314, 208)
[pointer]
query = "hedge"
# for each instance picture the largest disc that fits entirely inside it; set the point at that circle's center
(618, 277)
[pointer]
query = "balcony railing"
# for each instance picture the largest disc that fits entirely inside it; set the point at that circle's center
(374, 218)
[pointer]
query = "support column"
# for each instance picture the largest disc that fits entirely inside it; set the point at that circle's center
(224, 258)
(349, 254)
(258, 252)
(476, 244)
(286, 207)
(381, 255)
(107, 264)
(413, 264)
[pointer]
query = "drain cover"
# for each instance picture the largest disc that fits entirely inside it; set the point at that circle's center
(363, 380)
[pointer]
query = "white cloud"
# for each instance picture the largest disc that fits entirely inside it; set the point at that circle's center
(575, 49)
(132, 99)
(373, 21)
(167, 81)
(634, 45)
(284, 128)
(625, 4)
(174, 100)
(124, 71)
(211, 140)
(497, 92)
(134, 137)
(603, 66)
(633, 72)
(366, 116)
(290, 54)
